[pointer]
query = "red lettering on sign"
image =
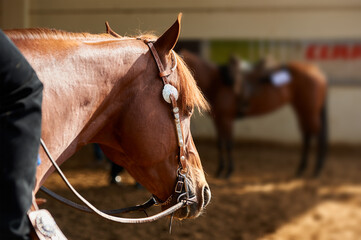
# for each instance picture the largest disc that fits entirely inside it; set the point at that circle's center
(333, 52)
(339, 52)
(356, 52)
(311, 52)
(323, 52)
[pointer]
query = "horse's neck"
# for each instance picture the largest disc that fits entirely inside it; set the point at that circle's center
(76, 81)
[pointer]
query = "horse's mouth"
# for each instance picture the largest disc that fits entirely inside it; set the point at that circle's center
(194, 206)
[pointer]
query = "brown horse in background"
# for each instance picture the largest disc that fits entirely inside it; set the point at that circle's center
(235, 93)
(99, 88)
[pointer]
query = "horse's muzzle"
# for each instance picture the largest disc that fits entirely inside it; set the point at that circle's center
(195, 208)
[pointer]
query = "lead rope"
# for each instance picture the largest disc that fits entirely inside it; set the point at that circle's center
(104, 215)
(142, 207)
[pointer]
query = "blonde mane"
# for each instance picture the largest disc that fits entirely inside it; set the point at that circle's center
(191, 96)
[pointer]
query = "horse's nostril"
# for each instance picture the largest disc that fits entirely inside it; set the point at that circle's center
(206, 196)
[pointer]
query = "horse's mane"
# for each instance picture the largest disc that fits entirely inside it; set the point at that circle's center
(45, 33)
(190, 93)
(54, 34)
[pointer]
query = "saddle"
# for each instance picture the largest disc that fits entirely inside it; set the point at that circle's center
(265, 71)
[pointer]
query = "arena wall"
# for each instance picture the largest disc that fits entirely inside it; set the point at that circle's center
(207, 19)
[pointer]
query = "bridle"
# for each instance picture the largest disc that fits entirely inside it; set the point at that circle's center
(183, 195)
(170, 95)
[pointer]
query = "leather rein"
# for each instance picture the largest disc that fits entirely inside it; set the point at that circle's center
(182, 193)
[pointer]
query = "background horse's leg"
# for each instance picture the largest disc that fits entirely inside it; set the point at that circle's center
(305, 152)
(322, 142)
(221, 147)
(225, 145)
(229, 152)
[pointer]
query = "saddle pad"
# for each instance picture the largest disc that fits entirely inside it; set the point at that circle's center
(45, 226)
(280, 78)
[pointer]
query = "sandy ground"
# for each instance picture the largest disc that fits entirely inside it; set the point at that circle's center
(260, 201)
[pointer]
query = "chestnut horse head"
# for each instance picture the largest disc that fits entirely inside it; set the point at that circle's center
(106, 89)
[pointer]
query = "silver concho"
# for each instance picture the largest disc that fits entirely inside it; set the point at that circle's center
(167, 91)
(46, 224)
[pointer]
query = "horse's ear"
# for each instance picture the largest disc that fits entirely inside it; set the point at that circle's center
(168, 40)
(110, 31)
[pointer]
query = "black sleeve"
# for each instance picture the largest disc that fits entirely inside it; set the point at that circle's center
(20, 127)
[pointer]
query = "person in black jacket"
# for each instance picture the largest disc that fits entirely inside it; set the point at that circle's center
(20, 127)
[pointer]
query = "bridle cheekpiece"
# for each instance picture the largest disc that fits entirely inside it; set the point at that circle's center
(170, 95)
